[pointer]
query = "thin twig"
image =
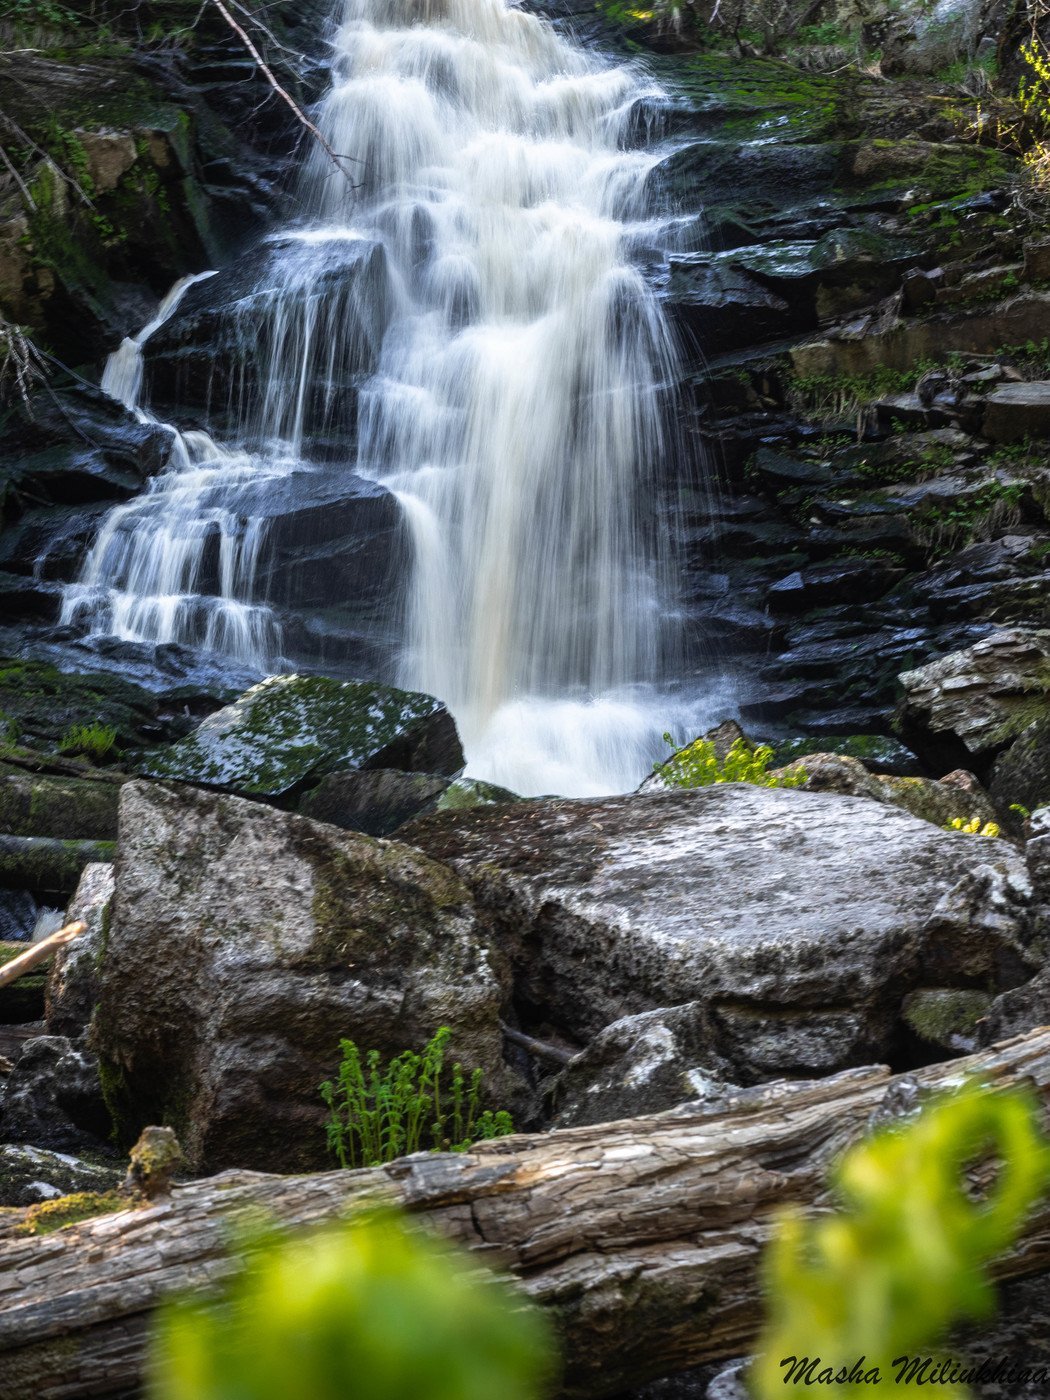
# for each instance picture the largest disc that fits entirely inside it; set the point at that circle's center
(314, 131)
(540, 1048)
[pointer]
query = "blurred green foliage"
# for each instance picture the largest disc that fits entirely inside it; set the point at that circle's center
(366, 1310)
(376, 1115)
(698, 765)
(908, 1255)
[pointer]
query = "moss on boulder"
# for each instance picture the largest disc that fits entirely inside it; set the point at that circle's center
(289, 731)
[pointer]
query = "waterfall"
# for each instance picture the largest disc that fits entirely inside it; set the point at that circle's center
(516, 400)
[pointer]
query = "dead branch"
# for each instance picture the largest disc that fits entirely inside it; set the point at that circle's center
(38, 953)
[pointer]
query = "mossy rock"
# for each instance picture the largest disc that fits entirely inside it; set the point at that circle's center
(288, 731)
(48, 1216)
(878, 753)
(42, 804)
(946, 1016)
(29, 1175)
(39, 704)
(471, 792)
(46, 865)
(1022, 774)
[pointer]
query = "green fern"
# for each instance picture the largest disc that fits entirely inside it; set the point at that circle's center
(375, 1115)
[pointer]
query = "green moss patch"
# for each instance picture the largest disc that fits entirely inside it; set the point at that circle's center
(48, 1216)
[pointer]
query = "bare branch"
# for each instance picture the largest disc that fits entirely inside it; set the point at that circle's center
(267, 72)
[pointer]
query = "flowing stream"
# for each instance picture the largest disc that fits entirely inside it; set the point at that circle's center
(516, 400)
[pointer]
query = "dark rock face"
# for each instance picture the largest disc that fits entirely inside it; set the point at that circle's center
(1022, 773)
(289, 731)
(642, 1064)
(244, 943)
(205, 361)
(53, 1097)
(627, 905)
(381, 800)
(109, 455)
(1017, 411)
(375, 802)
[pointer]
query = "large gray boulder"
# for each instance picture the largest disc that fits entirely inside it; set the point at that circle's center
(244, 943)
(794, 922)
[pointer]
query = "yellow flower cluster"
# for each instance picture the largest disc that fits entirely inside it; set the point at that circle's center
(973, 827)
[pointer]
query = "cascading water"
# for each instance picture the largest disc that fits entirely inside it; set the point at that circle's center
(141, 578)
(515, 397)
(517, 410)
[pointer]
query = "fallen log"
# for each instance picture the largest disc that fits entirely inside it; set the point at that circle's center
(643, 1237)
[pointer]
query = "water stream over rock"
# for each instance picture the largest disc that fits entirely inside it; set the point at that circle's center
(458, 325)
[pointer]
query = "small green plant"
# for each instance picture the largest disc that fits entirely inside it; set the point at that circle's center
(370, 1308)
(376, 1115)
(91, 740)
(698, 765)
(973, 826)
(907, 1257)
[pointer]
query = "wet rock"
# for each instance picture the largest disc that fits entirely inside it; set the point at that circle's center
(876, 752)
(54, 1098)
(72, 983)
(1014, 412)
(797, 921)
(641, 1064)
(18, 915)
(79, 446)
(708, 301)
(329, 535)
(245, 942)
(972, 703)
(41, 703)
(32, 1174)
(289, 731)
(837, 580)
(261, 309)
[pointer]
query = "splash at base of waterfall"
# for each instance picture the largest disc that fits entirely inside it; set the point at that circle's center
(587, 747)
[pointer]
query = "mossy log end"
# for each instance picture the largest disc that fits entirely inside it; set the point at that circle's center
(643, 1237)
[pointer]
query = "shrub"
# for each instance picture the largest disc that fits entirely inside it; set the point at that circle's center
(371, 1309)
(375, 1116)
(908, 1255)
(91, 740)
(698, 765)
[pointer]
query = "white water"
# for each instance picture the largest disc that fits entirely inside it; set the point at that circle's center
(517, 406)
(141, 578)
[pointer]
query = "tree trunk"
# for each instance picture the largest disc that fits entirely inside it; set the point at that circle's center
(643, 1237)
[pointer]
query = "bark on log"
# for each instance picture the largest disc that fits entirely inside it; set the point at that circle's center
(643, 1236)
